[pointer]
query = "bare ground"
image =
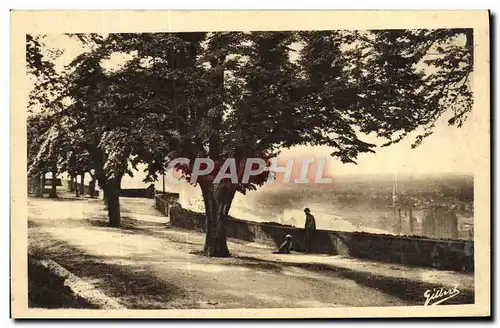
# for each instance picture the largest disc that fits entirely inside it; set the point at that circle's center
(148, 265)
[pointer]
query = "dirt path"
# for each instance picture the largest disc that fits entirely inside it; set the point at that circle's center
(148, 265)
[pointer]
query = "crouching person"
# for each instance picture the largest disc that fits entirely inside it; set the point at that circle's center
(286, 246)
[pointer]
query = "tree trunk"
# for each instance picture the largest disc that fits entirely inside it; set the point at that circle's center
(53, 190)
(82, 184)
(77, 190)
(92, 188)
(112, 195)
(105, 198)
(217, 199)
(101, 180)
(71, 183)
(42, 189)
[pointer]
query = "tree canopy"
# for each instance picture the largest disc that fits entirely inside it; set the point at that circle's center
(239, 95)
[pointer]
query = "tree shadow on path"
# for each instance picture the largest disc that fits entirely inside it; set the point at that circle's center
(407, 290)
(135, 289)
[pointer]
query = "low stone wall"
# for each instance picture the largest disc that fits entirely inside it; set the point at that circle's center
(170, 197)
(165, 201)
(161, 205)
(48, 182)
(414, 251)
(137, 193)
(71, 185)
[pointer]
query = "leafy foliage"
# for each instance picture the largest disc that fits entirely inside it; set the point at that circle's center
(240, 95)
(410, 78)
(41, 70)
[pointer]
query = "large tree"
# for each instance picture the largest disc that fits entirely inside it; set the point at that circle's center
(102, 124)
(239, 95)
(45, 148)
(88, 130)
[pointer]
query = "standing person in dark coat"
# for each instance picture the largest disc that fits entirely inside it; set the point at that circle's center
(310, 228)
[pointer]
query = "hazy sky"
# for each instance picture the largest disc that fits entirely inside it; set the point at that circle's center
(447, 150)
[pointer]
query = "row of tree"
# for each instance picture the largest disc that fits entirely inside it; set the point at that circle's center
(237, 95)
(38, 183)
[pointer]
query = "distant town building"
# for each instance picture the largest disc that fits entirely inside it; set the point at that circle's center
(440, 222)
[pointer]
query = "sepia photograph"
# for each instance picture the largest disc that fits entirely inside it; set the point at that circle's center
(295, 165)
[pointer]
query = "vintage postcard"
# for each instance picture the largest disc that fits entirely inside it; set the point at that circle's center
(250, 164)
